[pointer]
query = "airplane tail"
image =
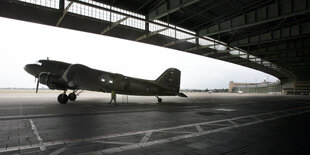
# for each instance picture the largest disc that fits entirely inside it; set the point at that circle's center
(170, 80)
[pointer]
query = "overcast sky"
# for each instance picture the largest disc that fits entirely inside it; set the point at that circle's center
(23, 42)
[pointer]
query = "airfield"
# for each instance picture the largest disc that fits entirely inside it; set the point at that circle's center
(203, 123)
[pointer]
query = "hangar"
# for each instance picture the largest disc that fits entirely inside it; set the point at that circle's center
(267, 35)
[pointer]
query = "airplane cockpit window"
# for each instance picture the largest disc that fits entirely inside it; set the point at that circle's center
(38, 63)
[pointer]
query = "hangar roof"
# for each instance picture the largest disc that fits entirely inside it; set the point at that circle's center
(268, 35)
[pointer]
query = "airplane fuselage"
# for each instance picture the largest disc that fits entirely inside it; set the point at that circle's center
(64, 76)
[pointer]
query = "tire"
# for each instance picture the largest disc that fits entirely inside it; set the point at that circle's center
(62, 98)
(159, 100)
(72, 97)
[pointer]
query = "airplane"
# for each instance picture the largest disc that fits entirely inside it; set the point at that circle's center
(65, 76)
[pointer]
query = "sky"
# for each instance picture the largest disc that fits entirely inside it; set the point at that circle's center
(23, 43)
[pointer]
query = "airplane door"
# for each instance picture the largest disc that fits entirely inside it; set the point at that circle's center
(125, 84)
(118, 82)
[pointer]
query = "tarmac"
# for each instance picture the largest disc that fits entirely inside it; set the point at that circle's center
(203, 123)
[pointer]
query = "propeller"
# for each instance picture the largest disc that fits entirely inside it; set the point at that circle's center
(38, 82)
(45, 76)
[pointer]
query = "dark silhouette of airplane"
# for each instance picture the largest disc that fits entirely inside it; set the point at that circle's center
(64, 76)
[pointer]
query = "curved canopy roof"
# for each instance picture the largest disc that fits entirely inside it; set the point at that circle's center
(268, 35)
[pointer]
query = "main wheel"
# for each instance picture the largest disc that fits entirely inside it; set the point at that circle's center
(72, 97)
(62, 98)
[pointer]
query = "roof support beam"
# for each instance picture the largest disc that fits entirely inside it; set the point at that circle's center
(147, 35)
(199, 13)
(143, 5)
(200, 47)
(64, 13)
(145, 20)
(284, 51)
(230, 57)
(216, 52)
(113, 25)
(169, 7)
(289, 59)
(300, 67)
(292, 32)
(233, 13)
(257, 17)
(179, 41)
(298, 47)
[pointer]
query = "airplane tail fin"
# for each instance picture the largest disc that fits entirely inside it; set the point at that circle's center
(170, 80)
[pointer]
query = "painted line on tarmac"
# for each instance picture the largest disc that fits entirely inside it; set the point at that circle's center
(200, 130)
(36, 132)
(281, 114)
(176, 138)
(18, 108)
(146, 137)
(71, 114)
(224, 109)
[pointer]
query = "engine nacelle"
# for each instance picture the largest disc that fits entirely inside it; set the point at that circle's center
(52, 81)
(44, 78)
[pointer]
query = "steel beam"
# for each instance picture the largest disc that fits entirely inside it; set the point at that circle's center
(298, 64)
(258, 16)
(283, 51)
(146, 21)
(169, 7)
(113, 25)
(179, 41)
(64, 13)
(300, 67)
(216, 52)
(233, 13)
(149, 34)
(200, 47)
(292, 32)
(300, 47)
(143, 5)
(199, 13)
(231, 56)
(289, 59)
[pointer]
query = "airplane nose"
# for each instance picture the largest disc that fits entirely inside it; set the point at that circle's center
(32, 69)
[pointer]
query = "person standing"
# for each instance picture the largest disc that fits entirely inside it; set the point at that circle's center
(113, 97)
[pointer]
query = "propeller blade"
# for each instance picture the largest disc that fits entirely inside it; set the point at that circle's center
(37, 86)
(38, 82)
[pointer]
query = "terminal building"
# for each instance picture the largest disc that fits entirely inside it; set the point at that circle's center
(297, 88)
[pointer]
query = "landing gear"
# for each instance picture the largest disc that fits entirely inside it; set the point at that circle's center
(159, 99)
(62, 98)
(72, 97)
